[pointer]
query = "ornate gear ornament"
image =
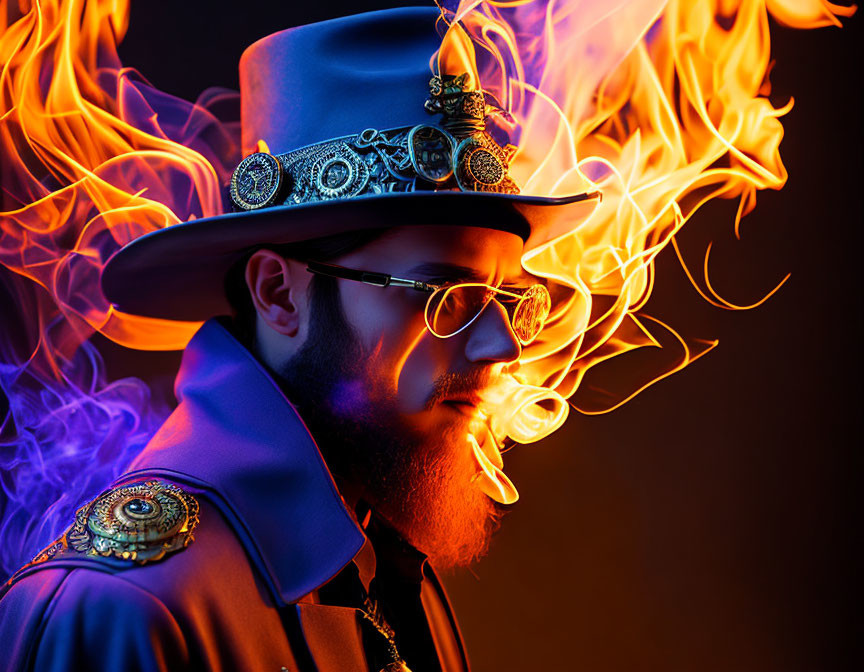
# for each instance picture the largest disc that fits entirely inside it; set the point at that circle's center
(141, 522)
(339, 172)
(257, 181)
(372, 162)
(458, 154)
(481, 164)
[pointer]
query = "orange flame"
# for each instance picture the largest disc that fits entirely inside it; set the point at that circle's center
(89, 165)
(660, 105)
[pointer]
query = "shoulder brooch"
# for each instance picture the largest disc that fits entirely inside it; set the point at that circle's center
(140, 522)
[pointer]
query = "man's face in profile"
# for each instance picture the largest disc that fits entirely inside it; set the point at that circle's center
(390, 403)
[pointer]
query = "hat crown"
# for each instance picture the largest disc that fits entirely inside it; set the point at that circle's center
(335, 78)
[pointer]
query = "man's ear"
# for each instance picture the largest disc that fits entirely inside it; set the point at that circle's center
(275, 289)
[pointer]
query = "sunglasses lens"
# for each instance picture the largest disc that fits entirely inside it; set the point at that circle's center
(451, 309)
(531, 313)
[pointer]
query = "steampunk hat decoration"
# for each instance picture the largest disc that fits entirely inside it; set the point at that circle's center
(344, 108)
(458, 154)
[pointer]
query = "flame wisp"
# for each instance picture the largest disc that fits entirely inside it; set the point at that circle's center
(662, 106)
(91, 157)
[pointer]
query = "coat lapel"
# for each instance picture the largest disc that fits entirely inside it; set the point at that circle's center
(334, 637)
(236, 436)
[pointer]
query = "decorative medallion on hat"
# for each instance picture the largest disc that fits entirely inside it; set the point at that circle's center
(431, 153)
(338, 172)
(482, 165)
(141, 522)
(256, 181)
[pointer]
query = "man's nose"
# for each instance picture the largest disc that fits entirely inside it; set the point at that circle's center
(491, 338)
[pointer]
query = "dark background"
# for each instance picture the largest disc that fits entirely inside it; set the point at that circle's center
(709, 524)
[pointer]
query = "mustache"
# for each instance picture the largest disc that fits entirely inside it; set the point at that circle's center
(458, 384)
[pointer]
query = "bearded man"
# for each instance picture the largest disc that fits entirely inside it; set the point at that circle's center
(289, 512)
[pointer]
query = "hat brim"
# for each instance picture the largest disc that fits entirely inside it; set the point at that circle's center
(178, 272)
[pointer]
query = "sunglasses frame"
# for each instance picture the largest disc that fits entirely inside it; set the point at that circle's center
(378, 279)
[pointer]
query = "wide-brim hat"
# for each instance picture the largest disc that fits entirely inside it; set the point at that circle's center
(343, 108)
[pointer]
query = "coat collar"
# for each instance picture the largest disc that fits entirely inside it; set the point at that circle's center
(235, 435)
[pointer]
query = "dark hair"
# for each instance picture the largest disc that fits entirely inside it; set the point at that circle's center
(318, 249)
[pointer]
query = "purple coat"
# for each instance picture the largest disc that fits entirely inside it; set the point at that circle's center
(244, 595)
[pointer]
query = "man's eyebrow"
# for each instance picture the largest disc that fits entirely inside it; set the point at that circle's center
(450, 272)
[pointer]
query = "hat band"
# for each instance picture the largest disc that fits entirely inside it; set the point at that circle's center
(411, 158)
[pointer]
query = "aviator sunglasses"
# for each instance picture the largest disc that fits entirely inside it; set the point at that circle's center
(451, 309)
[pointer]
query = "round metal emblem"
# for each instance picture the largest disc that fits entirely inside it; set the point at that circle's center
(431, 151)
(339, 173)
(256, 181)
(140, 522)
(482, 165)
(485, 167)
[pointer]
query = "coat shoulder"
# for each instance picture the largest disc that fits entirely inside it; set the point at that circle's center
(60, 616)
(201, 604)
(138, 523)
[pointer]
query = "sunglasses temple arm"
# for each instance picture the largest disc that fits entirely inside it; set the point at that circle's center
(419, 285)
(367, 277)
(333, 271)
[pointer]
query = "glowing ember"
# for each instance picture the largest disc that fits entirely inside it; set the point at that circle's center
(660, 105)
